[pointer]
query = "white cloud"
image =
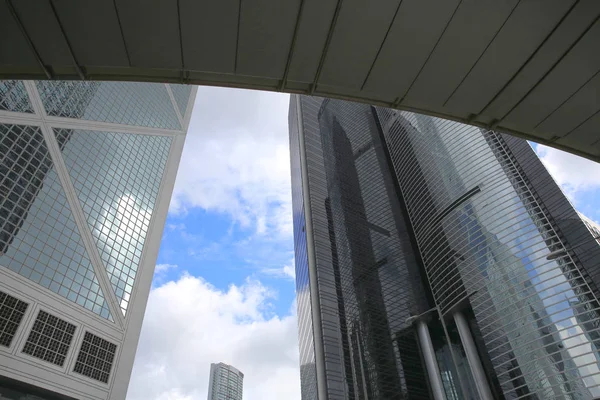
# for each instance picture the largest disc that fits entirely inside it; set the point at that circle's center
(160, 268)
(574, 174)
(287, 271)
(236, 159)
(190, 324)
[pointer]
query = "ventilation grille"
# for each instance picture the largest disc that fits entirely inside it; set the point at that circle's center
(49, 339)
(11, 314)
(95, 357)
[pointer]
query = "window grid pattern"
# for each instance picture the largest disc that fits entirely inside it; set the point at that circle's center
(128, 103)
(13, 97)
(226, 382)
(95, 358)
(533, 313)
(38, 236)
(181, 93)
(49, 339)
(12, 311)
(117, 179)
(306, 340)
(368, 281)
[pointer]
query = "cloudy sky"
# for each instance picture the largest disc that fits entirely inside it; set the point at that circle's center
(223, 289)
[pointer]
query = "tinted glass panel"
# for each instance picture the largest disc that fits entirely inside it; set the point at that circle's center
(129, 103)
(182, 96)
(13, 97)
(117, 178)
(38, 236)
(486, 237)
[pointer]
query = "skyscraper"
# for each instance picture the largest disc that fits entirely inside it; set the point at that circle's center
(226, 382)
(86, 175)
(431, 251)
(592, 226)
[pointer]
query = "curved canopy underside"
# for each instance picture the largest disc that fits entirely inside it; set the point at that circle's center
(530, 68)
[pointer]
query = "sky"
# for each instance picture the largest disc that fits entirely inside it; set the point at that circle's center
(223, 288)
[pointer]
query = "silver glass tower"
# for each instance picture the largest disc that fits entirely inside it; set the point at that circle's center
(226, 382)
(436, 260)
(86, 174)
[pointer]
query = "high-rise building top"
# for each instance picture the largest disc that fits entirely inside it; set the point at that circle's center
(86, 174)
(593, 226)
(431, 251)
(226, 382)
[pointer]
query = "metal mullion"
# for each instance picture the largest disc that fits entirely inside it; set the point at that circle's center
(506, 332)
(552, 323)
(449, 266)
(571, 288)
(508, 371)
(558, 384)
(560, 241)
(498, 310)
(77, 212)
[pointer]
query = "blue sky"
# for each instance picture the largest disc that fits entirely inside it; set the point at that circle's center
(579, 178)
(212, 245)
(223, 289)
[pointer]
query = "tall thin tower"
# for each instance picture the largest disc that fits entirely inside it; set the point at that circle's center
(226, 382)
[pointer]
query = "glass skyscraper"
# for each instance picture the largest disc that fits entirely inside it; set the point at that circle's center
(435, 260)
(86, 174)
(226, 382)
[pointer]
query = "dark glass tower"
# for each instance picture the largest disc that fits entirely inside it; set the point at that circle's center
(435, 260)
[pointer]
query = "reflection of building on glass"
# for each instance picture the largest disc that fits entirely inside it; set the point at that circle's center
(425, 244)
(226, 382)
(81, 217)
(23, 167)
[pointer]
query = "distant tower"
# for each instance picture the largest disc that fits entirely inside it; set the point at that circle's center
(226, 382)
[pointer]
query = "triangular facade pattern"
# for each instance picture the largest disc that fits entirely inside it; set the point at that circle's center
(38, 235)
(181, 93)
(117, 178)
(127, 103)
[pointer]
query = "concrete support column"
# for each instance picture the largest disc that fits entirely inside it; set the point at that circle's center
(433, 370)
(472, 357)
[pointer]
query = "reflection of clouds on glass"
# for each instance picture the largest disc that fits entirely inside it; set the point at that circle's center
(117, 178)
(38, 236)
(499, 239)
(121, 227)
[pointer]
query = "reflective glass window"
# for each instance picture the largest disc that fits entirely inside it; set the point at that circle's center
(38, 236)
(13, 97)
(117, 178)
(128, 103)
(182, 96)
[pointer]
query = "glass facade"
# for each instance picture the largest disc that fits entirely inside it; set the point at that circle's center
(368, 279)
(13, 97)
(127, 103)
(411, 213)
(303, 297)
(181, 93)
(226, 383)
(83, 197)
(116, 177)
(38, 236)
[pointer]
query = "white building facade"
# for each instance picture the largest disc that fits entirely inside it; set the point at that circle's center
(86, 175)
